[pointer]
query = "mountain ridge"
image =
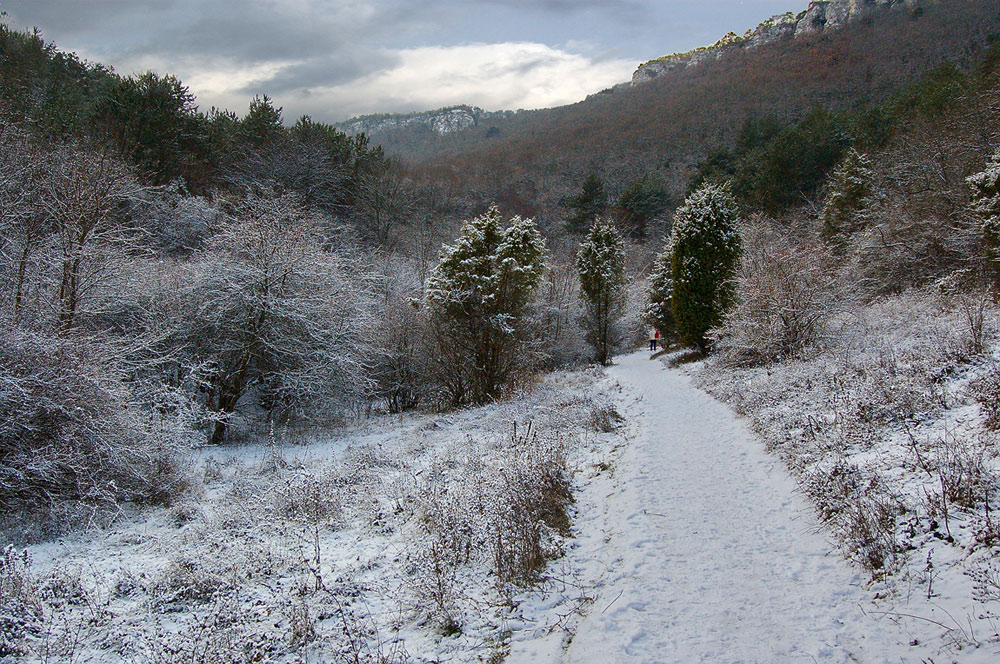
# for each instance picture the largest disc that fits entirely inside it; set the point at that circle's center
(820, 16)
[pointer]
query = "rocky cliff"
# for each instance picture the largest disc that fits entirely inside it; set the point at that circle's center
(821, 15)
(442, 121)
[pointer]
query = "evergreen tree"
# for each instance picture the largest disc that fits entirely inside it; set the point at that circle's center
(478, 296)
(640, 202)
(587, 206)
(262, 124)
(600, 263)
(659, 307)
(850, 184)
(705, 251)
(986, 205)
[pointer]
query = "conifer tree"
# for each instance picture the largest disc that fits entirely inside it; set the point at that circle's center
(587, 206)
(478, 296)
(659, 307)
(850, 184)
(705, 251)
(986, 206)
(600, 263)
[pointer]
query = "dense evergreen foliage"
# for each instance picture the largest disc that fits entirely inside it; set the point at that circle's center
(479, 294)
(600, 263)
(704, 250)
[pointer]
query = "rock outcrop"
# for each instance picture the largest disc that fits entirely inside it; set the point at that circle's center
(442, 121)
(821, 15)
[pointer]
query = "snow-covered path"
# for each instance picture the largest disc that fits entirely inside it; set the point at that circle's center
(706, 553)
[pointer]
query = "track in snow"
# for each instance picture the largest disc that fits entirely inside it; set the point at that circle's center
(707, 552)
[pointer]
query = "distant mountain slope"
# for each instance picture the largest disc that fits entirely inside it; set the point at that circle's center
(672, 121)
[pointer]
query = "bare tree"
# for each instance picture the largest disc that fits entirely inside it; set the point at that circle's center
(385, 200)
(271, 311)
(79, 195)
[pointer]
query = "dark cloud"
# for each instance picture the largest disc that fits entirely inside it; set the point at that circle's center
(323, 72)
(228, 50)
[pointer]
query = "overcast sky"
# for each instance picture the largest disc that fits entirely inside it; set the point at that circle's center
(334, 59)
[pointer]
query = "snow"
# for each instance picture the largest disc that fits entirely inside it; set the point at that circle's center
(689, 543)
(707, 552)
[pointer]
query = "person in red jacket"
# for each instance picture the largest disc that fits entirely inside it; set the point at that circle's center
(654, 337)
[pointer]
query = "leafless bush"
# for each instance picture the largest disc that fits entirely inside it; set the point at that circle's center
(784, 296)
(399, 343)
(301, 626)
(187, 580)
(70, 429)
(529, 498)
(862, 511)
(986, 390)
(605, 418)
(275, 315)
(224, 635)
(20, 604)
(965, 476)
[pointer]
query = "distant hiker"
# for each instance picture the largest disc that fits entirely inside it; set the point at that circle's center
(654, 336)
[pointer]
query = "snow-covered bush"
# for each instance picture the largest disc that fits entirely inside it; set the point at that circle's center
(986, 206)
(478, 295)
(19, 597)
(267, 308)
(704, 254)
(659, 308)
(783, 296)
(860, 510)
(986, 390)
(399, 362)
(71, 429)
(848, 187)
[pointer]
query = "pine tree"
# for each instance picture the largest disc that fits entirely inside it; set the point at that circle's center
(600, 263)
(478, 295)
(850, 184)
(705, 251)
(659, 307)
(588, 205)
(986, 205)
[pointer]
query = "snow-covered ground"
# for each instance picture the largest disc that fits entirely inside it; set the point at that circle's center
(701, 550)
(688, 543)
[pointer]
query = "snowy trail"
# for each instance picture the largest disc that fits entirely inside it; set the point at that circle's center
(707, 554)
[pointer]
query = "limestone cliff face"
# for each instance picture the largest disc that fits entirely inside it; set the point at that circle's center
(821, 15)
(442, 121)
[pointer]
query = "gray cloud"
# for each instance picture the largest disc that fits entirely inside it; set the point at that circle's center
(331, 57)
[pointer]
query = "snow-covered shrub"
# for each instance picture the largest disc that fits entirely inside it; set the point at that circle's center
(225, 635)
(187, 580)
(399, 364)
(783, 296)
(527, 502)
(849, 185)
(659, 310)
(704, 254)
(986, 390)
(71, 429)
(986, 206)
(177, 222)
(963, 469)
(479, 295)
(270, 311)
(860, 509)
(20, 602)
(605, 418)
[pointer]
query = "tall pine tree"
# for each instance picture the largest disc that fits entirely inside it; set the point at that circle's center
(600, 263)
(705, 250)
